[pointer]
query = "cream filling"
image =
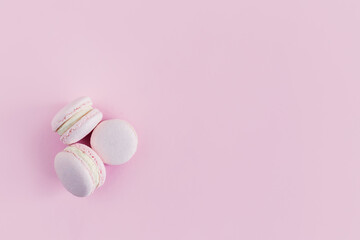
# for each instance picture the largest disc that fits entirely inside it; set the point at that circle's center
(70, 122)
(94, 170)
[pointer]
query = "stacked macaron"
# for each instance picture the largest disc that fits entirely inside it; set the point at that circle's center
(81, 168)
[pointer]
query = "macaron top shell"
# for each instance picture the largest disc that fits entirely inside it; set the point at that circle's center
(115, 141)
(79, 169)
(69, 110)
(72, 174)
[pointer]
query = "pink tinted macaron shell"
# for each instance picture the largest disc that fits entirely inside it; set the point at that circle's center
(77, 119)
(80, 170)
(115, 141)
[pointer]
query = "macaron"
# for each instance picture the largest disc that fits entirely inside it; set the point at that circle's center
(115, 141)
(76, 120)
(80, 169)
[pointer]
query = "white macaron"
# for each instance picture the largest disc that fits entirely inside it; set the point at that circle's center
(80, 169)
(115, 141)
(76, 120)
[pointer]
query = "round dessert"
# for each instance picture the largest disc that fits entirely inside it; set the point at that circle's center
(115, 141)
(76, 120)
(80, 169)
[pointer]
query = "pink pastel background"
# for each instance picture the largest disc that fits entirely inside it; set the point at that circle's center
(248, 116)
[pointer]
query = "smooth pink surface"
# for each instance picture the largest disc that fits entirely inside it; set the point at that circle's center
(248, 116)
